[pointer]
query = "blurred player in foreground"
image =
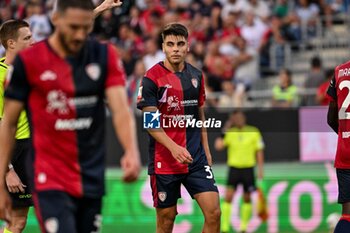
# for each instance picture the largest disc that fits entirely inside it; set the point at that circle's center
(245, 149)
(62, 83)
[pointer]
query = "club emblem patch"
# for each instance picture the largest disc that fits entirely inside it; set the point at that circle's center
(162, 196)
(194, 82)
(93, 70)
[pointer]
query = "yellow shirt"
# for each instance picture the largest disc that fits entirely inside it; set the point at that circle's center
(22, 125)
(242, 145)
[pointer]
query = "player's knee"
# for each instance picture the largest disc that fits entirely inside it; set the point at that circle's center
(213, 216)
(168, 219)
(19, 224)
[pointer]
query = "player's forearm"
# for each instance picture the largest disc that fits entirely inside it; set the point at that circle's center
(260, 162)
(161, 137)
(204, 136)
(7, 139)
(126, 130)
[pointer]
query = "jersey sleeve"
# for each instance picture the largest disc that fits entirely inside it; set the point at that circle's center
(147, 95)
(202, 93)
(18, 87)
(260, 145)
(332, 89)
(115, 72)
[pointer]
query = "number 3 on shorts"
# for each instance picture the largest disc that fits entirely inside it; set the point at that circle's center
(208, 169)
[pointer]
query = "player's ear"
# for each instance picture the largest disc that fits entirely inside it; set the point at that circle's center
(54, 18)
(163, 47)
(11, 44)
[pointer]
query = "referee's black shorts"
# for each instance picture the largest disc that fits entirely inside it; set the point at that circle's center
(244, 176)
(19, 162)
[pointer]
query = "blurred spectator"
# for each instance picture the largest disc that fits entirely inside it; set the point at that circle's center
(153, 53)
(231, 6)
(273, 44)
(39, 22)
(281, 9)
(245, 64)
(218, 66)
(229, 98)
(307, 14)
(106, 26)
(284, 94)
(313, 80)
(260, 9)
(321, 97)
(133, 82)
(253, 30)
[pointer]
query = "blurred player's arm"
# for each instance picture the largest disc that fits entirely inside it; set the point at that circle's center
(8, 129)
(106, 5)
(332, 116)
(204, 138)
(178, 152)
(260, 163)
(124, 125)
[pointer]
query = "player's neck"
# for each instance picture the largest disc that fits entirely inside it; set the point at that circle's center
(174, 67)
(9, 57)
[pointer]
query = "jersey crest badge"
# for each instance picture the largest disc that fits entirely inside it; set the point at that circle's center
(162, 196)
(194, 82)
(93, 70)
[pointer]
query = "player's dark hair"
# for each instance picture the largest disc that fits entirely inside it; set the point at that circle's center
(174, 29)
(316, 62)
(9, 30)
(63, 5)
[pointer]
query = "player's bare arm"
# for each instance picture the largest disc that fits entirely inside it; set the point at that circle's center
(8, 129)
(106, 5)
(124, 126)
(260, 163)
(178, 152)
(332, 116)
(204, 137)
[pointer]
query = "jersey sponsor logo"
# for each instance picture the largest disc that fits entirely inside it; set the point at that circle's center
(162, 196)
(73, 124)
(151, 120)
(173, 103)
(51, 225)
(186, 103)
(346, 134)
(194, 82)
(344, 72)
(48, 75)
(57, 101)
(93, 71)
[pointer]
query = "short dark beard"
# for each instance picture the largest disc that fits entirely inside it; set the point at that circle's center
(65, 46)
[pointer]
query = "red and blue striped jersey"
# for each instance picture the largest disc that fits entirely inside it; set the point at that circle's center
(65, 105)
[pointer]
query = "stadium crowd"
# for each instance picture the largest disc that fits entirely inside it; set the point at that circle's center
(230, 39)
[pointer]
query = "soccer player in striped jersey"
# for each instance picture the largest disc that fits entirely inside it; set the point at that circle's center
(339, 120)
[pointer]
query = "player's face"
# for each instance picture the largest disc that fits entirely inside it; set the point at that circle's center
(73, 26)
(175, 49)
(24, 39)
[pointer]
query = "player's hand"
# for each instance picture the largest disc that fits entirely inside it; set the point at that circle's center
(131, 166)
(5, 204)
(14, 183)
(109, 4)
(219, 144)
(181, 155)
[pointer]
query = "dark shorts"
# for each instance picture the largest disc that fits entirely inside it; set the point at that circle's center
(343, 176)
(244, 176)
(166, 188)
(61, 213)
(19, 162)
